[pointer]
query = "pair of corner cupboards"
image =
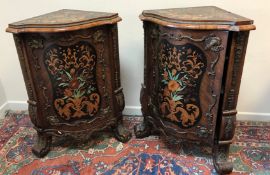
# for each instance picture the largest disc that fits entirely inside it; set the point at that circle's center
(193, 65)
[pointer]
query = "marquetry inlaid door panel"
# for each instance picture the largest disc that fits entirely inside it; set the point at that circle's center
(187, 79)
(70, 72)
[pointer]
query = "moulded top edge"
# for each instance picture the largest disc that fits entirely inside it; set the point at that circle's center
(206, 17)
(63, 20)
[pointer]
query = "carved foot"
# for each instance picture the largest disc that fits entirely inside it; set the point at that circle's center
(142, 130)
(222, 163)
(42, 145)
(122, 134)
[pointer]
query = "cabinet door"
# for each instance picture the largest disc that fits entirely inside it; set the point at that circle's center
(72, 78)
(187, 77)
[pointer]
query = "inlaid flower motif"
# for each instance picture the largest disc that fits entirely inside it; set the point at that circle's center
(72, 72)
(166, 92)
(64, 77)
(165, 75)
(68, 93)
(189, 51)
(74, 84)
(174, 71)
(178, 67)
(173, 85)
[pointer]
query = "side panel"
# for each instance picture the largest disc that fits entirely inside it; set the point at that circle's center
(226, 123)
(24, 63)
(232, 84)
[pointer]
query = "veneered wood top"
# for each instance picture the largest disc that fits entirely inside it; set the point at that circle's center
(63, 20)
(206, 17)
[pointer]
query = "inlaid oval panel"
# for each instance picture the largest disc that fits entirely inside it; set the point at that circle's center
(72, 70)
(181, 68)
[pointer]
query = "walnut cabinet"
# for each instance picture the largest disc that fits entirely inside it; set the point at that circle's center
(70, 64)
(193, 65)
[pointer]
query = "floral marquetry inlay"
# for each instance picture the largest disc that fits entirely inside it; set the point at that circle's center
(72, 71)
(181, 68)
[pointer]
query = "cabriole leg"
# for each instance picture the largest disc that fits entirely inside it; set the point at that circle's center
(122, 133)
(143, 129)
(42, 144)
(222, 162)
